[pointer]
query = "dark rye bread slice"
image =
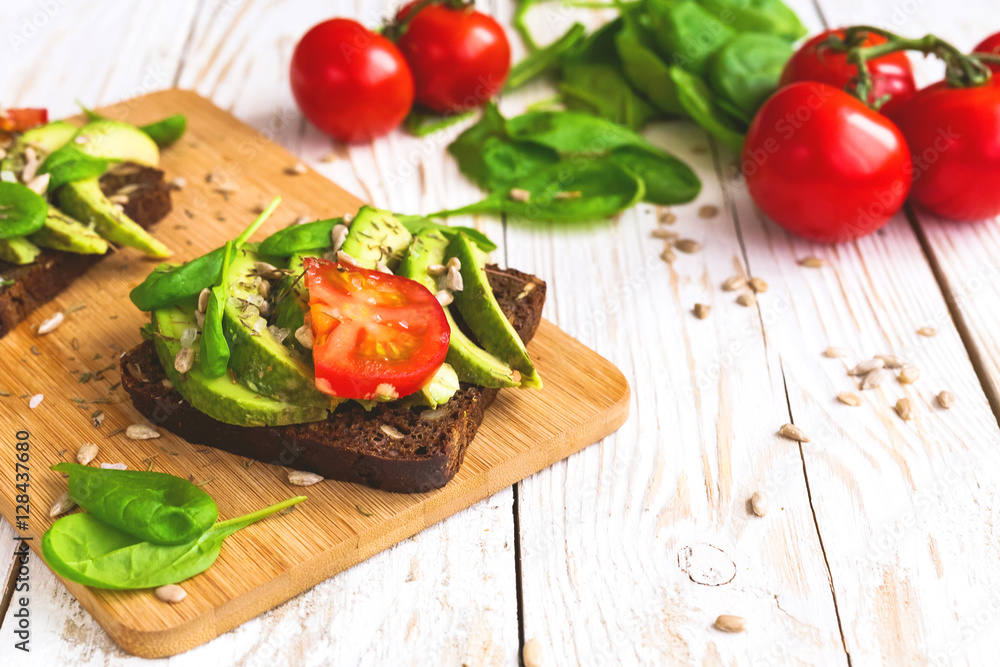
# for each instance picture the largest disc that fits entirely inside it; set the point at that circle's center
(35, 284)
(351, 444)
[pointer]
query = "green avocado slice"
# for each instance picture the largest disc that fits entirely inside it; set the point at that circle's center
(376, 236)
(290, 310)
(257, 358)
(18, 251)
(482, 313)
(62, 232)
(471, 363)
(219, 398)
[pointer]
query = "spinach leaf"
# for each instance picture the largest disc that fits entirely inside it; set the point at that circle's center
(69, 163)
(571, 132)
(82, 548)
(643, 66)
(417, 224)
(521, 26)
(688, 33)
(591, 81)
(151, 506)
(667, 179)
(697, 100)
(298, 238)
(770, 16)
(22, 210)
(214, 346)
(166, 131)
(576, 190)
(746, 70)
(546, 59)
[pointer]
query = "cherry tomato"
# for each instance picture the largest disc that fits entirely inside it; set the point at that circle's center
(891, 74)
(990, 45)
(375, 334)
(19, 120)
(350, 82)
(460, 57)
(954, 135)
(823, 165)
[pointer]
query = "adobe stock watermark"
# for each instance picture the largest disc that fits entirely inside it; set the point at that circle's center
(29, 25)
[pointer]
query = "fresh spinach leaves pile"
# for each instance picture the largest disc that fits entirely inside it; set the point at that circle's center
(713, 61)
(566, 166)
(141, 529)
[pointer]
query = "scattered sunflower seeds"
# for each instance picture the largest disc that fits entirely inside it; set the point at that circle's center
(184, 360)
(668, 255)
(344, 258)
(746, 299)
(708, 211)
(51, 324)
(444, 297)
(758, 503)
(35, 401)
(701, 310)
(904, 408)
(203, 300)
(813, 262)
(734, 283)
(86, 453)
(338, 235)
(304, 335)
(668, 218)
(667, 234)
(891, 361)
(874, 379)
(453, 281)
(519, 194)
(928, 332)
(909, 374)
(97, 418)
(688, 246)
(114, 466)
(61, 505)
(836, 352)
(730, 623)
(758, 285)
(296, 169)
(141, 432)
(793, 432)
(531, 654)
(866, 367)
(849, 398)
(171, 594)
(303, 478)
(946, 399)
(391, 431)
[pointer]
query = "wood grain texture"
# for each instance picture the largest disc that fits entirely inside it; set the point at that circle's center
(585, 399)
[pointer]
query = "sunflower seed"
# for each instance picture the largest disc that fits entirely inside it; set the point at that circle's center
(344, 258)
(453, 281)
(866, 367)
(141, 432)
(391, 431)
(734, 283)
(178, 183)
(813, 262)
(444, 297)
(793, 432)
(114, 466)
(688, 246)
(184, 360)
(304, 335)
(51, 324)
(437, 270)
(171, 594)
(946, 399)
(296, 169)
(86, 453)
(668, 255)
(891, 361)
(758, 285)
(264, 289)
(730, 623)
(531, 654)
(519, 194)
(118, 199)
(708, 211)
(303, 478)
(203, 300)
(758, 503)
(267, 271)
(39, 184)
(701, 310)
(382, 267)
(61, 505)
(928, 332)
(338, 235)
(904, 408)
(97, 418)
(167, 383)
(660, 233)
(35, 401)
(874, 379)
(909, 374)
(667, 218)
(849, 398)
(746, 299)
(836, 352)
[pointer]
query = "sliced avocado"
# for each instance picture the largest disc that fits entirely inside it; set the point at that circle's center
(220, 398)
(18, 251)
(441, 387)
(482, 313)
(84, 201)
(375, 236)
(116, 140)
(257, 359)
(49, 137)
(62, 232)
(291, 309)
(470, 362)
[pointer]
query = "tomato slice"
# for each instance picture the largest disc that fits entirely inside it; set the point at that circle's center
(375, 335)
(19, 120)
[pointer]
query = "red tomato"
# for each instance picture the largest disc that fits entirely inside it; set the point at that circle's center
(891, 75)
(460, 57)
(375, 334)
(19, 120)
(351, 83)
(954, 135)
(990, 45)
(823, 165)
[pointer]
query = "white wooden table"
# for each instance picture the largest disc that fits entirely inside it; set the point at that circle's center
(880, 546)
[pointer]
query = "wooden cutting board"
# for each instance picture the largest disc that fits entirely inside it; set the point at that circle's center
(585, 398)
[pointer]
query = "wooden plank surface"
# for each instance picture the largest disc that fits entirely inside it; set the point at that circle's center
(903, 510)
(585, 399)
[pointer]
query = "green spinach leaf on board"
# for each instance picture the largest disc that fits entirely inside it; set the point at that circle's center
(768, 16)
(745, 71)
(687, 33)
(68, 164)
(546, 59)
(298, 238)
(151, 506)
(84, 549)
(22, 210)
(698, 102)
(644, 67)
(667, 179)
(167, 131)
